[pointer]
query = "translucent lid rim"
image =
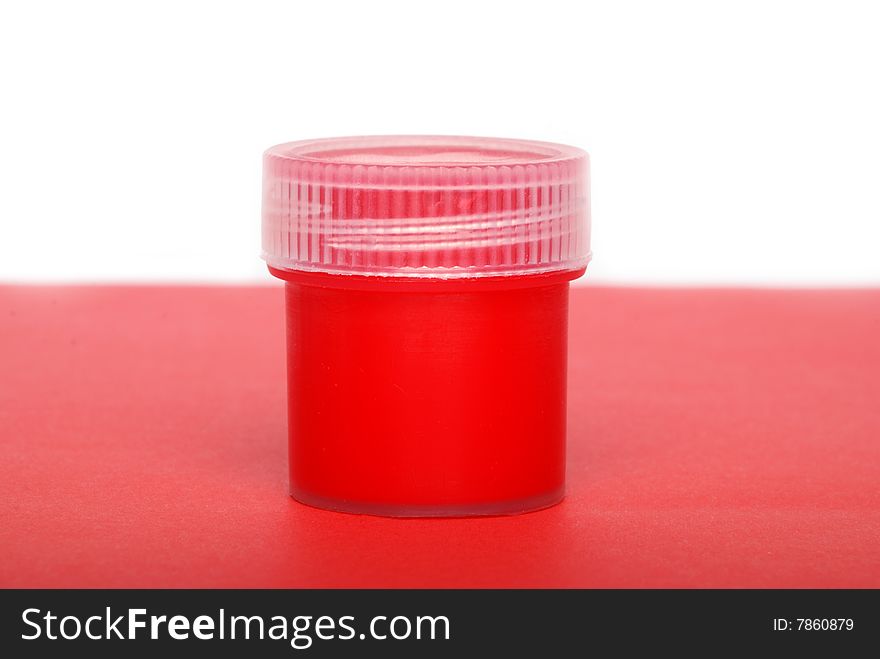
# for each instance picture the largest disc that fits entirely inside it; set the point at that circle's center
(454, 272)
(298, 150)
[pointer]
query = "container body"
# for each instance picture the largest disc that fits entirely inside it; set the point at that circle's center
(427, 398)
(427, 306)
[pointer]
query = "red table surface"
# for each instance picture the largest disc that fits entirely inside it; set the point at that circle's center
(717, 438)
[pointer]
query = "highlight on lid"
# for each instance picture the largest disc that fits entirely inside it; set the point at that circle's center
(426, 206)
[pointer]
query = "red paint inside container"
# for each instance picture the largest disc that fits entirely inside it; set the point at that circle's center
(427, 298)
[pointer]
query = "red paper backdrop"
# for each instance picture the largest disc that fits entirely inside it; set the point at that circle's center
(716, 438)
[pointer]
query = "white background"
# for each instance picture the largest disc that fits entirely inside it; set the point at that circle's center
(733, 143)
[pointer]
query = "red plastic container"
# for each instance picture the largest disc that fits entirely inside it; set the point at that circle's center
(427, 306)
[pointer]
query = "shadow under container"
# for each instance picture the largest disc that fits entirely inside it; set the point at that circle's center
(426, 285)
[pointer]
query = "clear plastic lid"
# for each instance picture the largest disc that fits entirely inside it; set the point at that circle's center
(426, 206)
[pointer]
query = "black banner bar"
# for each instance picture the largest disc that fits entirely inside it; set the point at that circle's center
(428, 623)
